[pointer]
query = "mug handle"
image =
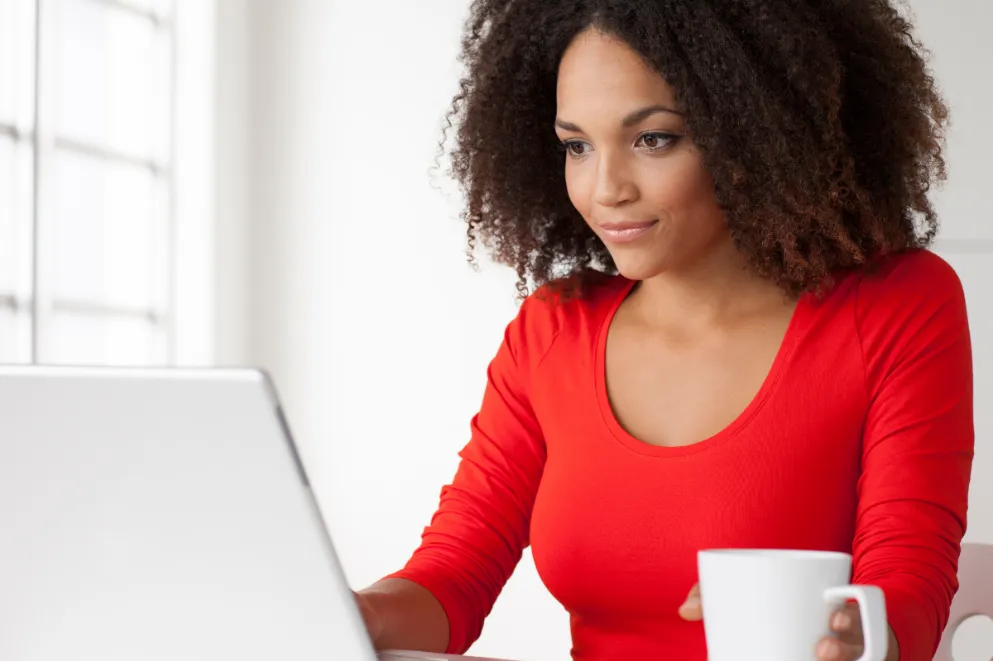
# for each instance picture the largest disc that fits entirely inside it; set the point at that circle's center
(872, 609)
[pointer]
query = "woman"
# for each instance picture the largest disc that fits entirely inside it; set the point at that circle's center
(739, 338)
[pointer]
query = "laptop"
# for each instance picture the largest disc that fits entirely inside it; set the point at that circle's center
(163, 514)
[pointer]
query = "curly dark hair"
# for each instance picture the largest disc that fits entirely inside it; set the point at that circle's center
(818, 121)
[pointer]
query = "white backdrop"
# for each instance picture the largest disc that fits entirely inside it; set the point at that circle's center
(341, 269)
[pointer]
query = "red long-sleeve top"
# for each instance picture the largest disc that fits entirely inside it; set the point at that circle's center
(860, 440)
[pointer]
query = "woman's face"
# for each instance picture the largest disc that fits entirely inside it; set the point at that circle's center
(632, 171)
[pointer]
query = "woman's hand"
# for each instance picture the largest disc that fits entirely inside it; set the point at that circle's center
(847, 642)
(372, 619)
(400, 614)
(845, 645)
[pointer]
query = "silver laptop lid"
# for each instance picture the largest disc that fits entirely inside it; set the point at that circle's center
(161, 515)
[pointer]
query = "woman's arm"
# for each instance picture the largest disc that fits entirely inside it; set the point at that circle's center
(917, 446)
(439, 600)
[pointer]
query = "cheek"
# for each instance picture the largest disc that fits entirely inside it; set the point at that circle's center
(577, 185)
(682, 191)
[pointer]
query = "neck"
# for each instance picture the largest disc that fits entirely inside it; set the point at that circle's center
(708, 294)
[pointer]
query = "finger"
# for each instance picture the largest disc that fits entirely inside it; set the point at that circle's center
(834, 649)
(846, 622)
(692, 608)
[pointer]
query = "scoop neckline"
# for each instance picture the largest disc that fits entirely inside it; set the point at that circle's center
(641, 447)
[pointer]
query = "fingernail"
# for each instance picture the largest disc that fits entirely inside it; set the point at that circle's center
(842, 621)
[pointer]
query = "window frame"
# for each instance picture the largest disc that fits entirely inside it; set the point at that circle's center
(186, 319)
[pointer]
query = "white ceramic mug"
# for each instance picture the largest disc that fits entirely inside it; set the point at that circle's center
(773, 605)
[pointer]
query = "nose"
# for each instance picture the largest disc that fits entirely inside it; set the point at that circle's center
(614, 185)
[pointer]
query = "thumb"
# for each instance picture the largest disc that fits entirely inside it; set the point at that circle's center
(692, 608)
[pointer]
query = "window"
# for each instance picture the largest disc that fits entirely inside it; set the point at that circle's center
(87, 186)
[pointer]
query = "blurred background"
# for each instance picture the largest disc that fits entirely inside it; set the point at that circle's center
(250, 182)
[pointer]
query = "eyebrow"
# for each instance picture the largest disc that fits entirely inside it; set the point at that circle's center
(634, 118)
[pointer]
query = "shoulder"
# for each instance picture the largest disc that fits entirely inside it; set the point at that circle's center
(567, 303)
(912, 286)
(908, 305)
(565, 307)
(914, 273)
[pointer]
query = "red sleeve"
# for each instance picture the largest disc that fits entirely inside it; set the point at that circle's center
(918, 444)
(481, 527)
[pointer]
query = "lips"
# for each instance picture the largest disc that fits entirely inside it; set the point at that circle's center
(626, 231)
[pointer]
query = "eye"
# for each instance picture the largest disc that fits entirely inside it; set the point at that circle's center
(656, 141)
(576, 148)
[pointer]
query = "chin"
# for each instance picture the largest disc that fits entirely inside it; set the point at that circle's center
(638, 270)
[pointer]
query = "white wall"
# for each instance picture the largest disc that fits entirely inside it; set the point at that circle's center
(341, 269)
(358, 295)
(962, 56)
